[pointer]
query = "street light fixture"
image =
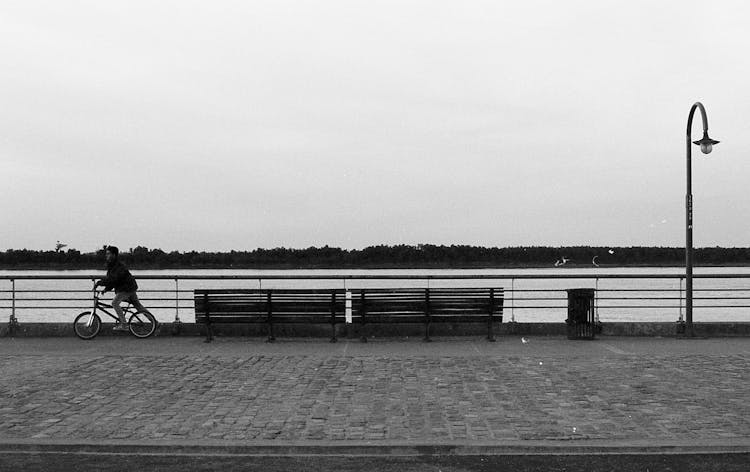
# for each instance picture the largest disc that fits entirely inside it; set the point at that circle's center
(706, 145)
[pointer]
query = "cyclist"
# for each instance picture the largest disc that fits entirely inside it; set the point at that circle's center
(122, 281)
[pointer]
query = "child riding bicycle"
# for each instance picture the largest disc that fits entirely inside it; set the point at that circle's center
(122, 281)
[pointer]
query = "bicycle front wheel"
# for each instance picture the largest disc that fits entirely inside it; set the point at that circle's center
(87, 325)
(142, 325)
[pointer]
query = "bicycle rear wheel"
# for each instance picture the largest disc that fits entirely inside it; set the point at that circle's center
(142, 325)
(87, 325)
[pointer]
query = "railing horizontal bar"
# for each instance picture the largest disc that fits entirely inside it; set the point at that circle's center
(557, 307)
(386, 277)
(506, 290)
(190, 299)
(672, 298)
(22, 299)
(675, 307)
(670, 307)
(644, 298)
(616, 290)
(695, 290)
(522, 299)
(153, 290)
(88, 307)
(183, 303)
(632, 298)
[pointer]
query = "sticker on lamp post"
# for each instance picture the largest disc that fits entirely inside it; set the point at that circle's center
(348, 307)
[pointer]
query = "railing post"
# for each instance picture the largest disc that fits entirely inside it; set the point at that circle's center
(596, 301)
(209, 331)
(680, 321)
(598, 328)
(490, 334)
(269, 321)
(362, 315)
(13, 321)
(427, 314)
(333, 315)
(512, 300)
(177, 325)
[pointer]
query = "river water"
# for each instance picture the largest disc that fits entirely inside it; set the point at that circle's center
(532, 300)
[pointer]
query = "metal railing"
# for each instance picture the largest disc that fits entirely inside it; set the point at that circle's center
(528, 297)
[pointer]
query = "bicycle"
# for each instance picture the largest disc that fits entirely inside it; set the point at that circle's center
(88, 323)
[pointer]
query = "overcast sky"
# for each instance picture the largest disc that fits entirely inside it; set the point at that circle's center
(219, 125)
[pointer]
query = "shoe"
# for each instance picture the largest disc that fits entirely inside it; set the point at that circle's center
(120, 327)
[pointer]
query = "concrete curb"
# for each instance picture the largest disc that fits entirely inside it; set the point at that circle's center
(650, 329)
(384, 448)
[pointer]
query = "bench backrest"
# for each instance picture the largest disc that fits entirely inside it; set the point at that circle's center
(442, 304)
(243, 305)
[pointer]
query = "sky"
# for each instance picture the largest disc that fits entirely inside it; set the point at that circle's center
(232, 125)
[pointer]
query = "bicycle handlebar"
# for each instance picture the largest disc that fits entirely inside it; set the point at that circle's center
(97, 293)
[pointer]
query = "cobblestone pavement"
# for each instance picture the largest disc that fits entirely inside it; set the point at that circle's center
(449, 390)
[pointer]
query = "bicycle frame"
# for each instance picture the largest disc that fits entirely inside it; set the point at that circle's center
(100, 305)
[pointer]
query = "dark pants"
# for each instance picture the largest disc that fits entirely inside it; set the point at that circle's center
(127, 297)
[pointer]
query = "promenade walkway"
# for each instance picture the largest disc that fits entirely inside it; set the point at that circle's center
(461, 395)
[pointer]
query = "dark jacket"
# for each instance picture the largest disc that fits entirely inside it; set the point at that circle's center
(119, 278)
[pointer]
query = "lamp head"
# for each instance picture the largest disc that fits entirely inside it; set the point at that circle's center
(706, 143)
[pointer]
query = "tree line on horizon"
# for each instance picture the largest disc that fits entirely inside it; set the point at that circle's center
(381, 256)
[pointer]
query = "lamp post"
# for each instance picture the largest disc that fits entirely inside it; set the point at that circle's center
(706, 145)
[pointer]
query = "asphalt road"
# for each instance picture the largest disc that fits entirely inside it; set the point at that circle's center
(164, 462)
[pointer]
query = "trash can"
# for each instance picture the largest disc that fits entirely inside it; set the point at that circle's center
(581, 324)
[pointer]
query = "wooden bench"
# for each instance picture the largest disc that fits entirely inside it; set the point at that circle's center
(368, 306)
(428, 306)
(213, 306)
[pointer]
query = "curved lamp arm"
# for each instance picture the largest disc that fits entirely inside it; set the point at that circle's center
(705, 143)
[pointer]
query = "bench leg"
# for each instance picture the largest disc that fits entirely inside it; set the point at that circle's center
(333, 329)
(271, 337)
(209, 334)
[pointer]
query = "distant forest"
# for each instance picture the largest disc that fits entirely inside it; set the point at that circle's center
(400, 256)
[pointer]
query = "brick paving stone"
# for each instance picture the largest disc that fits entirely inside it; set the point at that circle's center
(282, 395)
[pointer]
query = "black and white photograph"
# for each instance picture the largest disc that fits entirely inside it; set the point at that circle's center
(401, 236)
